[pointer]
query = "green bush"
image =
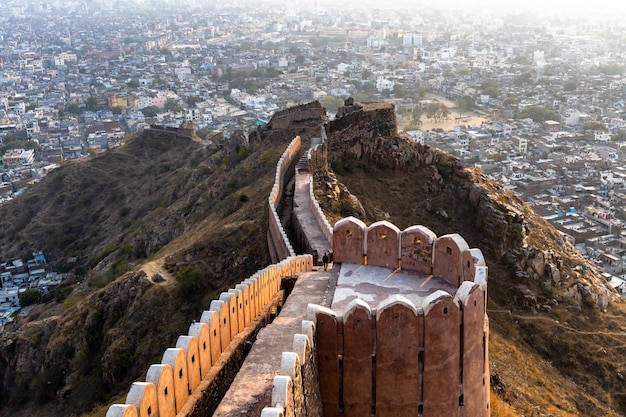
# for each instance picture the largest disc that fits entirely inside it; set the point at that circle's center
(243, 198)
(30, 296)
(193, 282)
(243, 153)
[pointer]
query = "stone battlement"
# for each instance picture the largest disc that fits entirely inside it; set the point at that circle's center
(352, 361)
(197, 361)
(355, 363)
(416, 248)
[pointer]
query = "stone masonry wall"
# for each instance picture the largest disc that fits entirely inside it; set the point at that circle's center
(436, 352)
(318, 160)
(278, 242)
(169, 385)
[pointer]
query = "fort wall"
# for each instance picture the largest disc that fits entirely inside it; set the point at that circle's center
(436, 351)
(167, 131)
(414, 249)
(198, 360)
(318, 159)
(297, 114)
(278, 242)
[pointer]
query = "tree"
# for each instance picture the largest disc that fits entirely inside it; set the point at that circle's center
(30, 296)
(594, 126)
(173, 105)
(437, 111)
(150, 111)
(537, 114)
(192, 100)
(465, 103)
(570, 85)
(73, 108)
(91, 103)
(490, 88)
(398, 90)
(134, 83)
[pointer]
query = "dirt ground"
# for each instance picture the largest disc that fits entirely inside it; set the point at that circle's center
(455, 119)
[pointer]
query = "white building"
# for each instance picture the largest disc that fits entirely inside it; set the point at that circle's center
(384, 84)
(602, 137)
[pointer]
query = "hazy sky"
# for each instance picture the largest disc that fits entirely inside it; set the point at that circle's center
(612, 8)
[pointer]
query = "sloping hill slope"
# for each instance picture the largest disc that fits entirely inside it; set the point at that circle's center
(157, 206)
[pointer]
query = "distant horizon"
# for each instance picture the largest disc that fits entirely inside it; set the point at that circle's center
(607, 11)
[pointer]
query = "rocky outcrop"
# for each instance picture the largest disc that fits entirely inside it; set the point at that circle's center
(289, 123)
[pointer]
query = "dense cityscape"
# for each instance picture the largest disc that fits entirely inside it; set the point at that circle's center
(536, 103)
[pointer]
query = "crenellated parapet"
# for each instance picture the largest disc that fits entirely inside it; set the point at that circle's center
(416, 249)
(279, 244)
(433, 346)
(395, 359)
(198, 355)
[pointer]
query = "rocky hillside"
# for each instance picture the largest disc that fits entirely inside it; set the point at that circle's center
(158, 228)
(558, 335)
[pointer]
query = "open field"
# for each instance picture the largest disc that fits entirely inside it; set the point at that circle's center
(455, 118)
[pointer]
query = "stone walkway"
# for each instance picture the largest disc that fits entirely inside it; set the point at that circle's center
(252, 388)
(303, 212)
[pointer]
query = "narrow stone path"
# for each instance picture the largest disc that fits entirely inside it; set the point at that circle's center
(302, 209)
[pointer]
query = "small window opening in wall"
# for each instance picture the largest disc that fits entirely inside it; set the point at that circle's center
(204, 345)
(461, 400)
(420, 410)
(224, 320)
(468, 264)
(233, 309)
(445, 311)
(165, 391)
(349, 233)
(193, 358)
(417, 241)
(214, 332)
(149, 410)
(448, 250)
(180, 374)
(474, 303)
(382, 236)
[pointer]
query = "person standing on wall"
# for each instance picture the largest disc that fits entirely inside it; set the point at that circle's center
(325, 260)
